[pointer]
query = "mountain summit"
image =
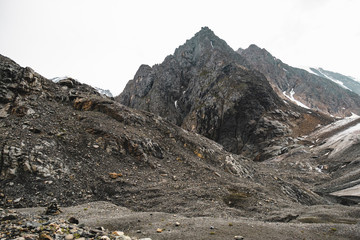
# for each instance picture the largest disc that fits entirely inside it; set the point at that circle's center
(205, 87)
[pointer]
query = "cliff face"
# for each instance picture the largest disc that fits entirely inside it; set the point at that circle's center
(205, 87)
(316, 92)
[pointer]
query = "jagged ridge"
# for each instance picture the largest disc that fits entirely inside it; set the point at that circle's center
(315, 92)
(205, 88)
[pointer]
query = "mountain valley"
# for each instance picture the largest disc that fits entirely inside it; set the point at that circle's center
(210, 144)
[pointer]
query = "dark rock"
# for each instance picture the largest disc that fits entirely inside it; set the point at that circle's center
(9, 217)
(52, 209)
(287, 218)
(73, 220)
(67, 82)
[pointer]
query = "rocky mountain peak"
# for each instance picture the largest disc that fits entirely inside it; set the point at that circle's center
(205, 44)
(206, 88)
(255, 53)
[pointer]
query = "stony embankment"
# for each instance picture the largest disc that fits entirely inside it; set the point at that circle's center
(48, 226)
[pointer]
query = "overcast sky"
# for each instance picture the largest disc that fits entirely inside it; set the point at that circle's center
(102, 43)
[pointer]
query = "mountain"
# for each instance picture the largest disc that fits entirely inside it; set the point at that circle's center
(346, 82)
(65, 143)
(313, 91)
(204, 87)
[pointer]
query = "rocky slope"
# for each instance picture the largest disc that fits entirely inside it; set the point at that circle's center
(65, 142)
(205, 88)
(344, 81)
(313, 91)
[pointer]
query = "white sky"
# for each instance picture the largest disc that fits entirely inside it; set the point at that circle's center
(102, 43)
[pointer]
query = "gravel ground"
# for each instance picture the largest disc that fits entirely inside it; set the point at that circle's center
(108, 217)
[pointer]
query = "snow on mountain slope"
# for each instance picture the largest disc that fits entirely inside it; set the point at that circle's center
(347, 82)
(291, 97)
(104, 92)
(323, 74)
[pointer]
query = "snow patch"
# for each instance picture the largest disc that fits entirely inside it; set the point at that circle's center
(211, 44)
(285, 70)
(291, 97)
(57, 79)
(105, 92)
(308, 69)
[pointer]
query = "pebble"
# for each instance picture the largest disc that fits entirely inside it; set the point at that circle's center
(51, 227)
(69, 237)
(44, 236)
(177, 224)
(32, 224)
(118, 233)
(238, 237)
